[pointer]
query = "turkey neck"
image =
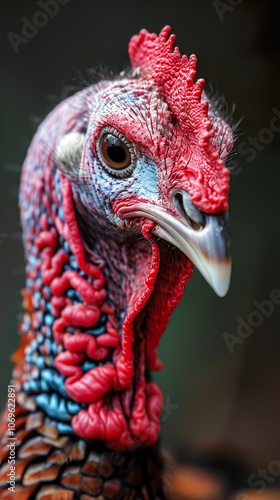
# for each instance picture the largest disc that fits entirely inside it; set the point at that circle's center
(97, 303)
(43, 389)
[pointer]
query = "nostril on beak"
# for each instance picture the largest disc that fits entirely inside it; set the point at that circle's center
(185, 207)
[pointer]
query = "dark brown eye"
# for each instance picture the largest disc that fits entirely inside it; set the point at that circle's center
(114, 152)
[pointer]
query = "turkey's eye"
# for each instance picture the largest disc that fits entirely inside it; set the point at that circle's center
(114, 152)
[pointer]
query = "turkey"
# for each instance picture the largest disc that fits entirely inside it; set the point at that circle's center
(123, 189)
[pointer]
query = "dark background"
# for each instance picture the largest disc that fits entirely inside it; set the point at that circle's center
(222, 399)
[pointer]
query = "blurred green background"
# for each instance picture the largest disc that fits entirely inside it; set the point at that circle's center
(213, 397)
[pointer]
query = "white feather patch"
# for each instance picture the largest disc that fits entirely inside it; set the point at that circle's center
(68, 152)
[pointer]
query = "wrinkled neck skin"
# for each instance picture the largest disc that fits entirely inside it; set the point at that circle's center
(97, 304)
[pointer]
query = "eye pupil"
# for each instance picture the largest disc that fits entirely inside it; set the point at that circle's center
(116, 153)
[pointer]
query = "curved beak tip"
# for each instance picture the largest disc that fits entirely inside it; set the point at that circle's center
(218, 276)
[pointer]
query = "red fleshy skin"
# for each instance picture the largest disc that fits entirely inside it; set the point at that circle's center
(202, 173)
(97, 422)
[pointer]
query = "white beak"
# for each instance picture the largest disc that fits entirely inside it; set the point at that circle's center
(205, 244)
